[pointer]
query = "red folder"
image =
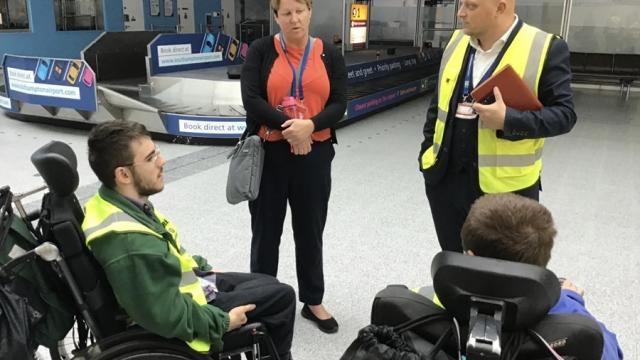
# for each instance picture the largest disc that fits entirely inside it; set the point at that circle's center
(515, 92)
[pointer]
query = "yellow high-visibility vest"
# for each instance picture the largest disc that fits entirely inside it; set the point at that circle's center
(102, 217)
(503, 165)
(430, 293)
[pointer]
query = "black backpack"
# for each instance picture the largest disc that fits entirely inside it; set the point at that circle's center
(50, 308)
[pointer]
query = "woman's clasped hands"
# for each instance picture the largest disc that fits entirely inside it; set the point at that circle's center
(298, 133)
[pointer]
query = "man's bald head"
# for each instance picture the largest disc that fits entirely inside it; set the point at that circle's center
(486, 20)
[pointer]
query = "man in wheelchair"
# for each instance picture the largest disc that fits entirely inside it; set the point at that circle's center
(158, 284)
(498, 297)
(514, 228)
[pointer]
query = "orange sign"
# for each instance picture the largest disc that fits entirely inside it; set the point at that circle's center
(360, 12)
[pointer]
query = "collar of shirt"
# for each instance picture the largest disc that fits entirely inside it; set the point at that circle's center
(146, 207)
(498, 45)
(484, 59)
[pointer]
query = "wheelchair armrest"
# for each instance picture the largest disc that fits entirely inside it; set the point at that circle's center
(244, 336)
(240, 337)
(235, 342)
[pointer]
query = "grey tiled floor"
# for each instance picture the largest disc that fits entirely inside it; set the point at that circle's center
(379, 229)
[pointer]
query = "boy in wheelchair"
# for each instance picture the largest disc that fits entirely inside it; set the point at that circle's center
(503, 301)
(158, 284)
(514, 228)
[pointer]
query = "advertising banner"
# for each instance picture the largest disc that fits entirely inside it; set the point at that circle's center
(181, 52)
(203, 126)
(376, 69)
(380, 99)
(64, 83)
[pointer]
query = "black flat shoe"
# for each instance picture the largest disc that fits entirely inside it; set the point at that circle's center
(328, 326)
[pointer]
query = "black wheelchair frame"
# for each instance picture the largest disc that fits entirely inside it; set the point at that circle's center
(100, 324)
(493, 310)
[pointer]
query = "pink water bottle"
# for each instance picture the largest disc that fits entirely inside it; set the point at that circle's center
(293, 109)
(290, 108)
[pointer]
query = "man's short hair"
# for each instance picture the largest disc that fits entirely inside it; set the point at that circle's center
(509, 227)
(109, 147)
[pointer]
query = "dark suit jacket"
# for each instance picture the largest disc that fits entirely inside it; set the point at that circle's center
(556, 118)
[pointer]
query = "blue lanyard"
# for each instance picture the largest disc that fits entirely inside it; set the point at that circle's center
(296, 83)
(468, 79)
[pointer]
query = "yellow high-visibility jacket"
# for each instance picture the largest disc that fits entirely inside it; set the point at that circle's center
(166, 296)
(503, 165)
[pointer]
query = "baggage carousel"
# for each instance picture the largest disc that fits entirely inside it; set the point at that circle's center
(198, 103)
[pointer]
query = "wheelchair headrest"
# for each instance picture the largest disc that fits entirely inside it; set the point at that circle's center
(528, 291)
(57, 164)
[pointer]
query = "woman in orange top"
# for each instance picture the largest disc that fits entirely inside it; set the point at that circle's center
(292, 66)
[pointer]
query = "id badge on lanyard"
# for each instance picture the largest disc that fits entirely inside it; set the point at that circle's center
(464, 109)
(296, 89)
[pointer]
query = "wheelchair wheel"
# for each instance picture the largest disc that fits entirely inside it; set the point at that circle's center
(77, 339)
(145, 349)
(133, 344)
(149, 349)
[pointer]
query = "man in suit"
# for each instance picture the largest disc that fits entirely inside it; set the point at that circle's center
(471, 149)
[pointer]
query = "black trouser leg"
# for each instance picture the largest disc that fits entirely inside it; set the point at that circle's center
(269, 209)
(451, 200)
(532, 192)
(275, 303)
(309, 192)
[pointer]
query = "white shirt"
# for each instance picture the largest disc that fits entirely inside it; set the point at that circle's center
(483, 59)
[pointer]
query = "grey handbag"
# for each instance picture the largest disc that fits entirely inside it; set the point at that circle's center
(245, 170)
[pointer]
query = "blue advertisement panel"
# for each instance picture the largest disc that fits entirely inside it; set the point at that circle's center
(203, 126)
(181, 52)
(376, 69)
(380, 99)
(52, 82)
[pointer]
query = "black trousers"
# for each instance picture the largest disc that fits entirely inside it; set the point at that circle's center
(451, 199)
(305, 182)
(275, 303)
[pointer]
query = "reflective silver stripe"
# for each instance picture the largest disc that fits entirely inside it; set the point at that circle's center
(442, 115)
(509, 160)
(109, 220)
(448, 52)
(535, 58)
(188, 278)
